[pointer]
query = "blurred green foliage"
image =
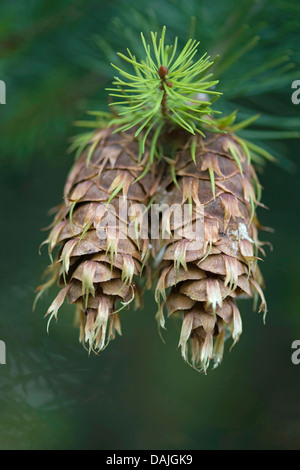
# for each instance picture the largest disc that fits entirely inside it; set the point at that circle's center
(54, 59)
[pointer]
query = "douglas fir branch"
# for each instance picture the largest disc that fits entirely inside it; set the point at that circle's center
(163, 143)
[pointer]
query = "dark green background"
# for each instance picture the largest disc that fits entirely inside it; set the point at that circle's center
(138, 394)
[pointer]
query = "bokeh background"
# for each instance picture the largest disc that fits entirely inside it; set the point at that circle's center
(139, 394)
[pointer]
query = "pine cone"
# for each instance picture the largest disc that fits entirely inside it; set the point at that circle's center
(208, 273)
(98, 273)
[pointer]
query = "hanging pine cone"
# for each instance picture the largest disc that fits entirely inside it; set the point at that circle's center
(208, 272)
(97, 266)
(162, 145)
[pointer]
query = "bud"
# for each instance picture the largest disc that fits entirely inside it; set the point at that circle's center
(162, 72)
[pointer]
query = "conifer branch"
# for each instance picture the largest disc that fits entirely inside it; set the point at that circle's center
(166, 86)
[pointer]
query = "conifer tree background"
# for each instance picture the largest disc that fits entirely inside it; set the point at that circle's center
(55, 60)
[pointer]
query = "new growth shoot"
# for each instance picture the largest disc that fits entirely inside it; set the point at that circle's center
(166, 88)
